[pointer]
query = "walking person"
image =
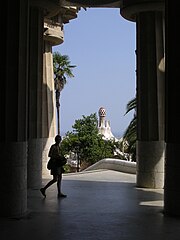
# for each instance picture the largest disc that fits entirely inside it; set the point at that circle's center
(58, 160)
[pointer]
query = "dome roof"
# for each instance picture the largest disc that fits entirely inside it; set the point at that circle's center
(102, 112)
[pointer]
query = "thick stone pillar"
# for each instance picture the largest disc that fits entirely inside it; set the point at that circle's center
(13, 107)
(150, 101)
(53, 35)
(150, 89)
(172, 157)
(48, 105)
(36, 22)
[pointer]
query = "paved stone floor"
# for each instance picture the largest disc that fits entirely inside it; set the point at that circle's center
(101, 205)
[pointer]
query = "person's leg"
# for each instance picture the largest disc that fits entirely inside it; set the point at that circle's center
(60, 194)
(43, 190)
(59, 184)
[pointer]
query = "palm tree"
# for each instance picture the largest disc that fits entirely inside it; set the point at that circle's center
(130, 135)
(62, 70)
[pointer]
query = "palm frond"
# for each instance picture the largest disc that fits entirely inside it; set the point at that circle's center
(131, 105)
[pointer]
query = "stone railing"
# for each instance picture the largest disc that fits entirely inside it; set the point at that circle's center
(114, 164)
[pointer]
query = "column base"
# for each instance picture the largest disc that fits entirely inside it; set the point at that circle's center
(172, 180)
(150, 164)
(13, 178)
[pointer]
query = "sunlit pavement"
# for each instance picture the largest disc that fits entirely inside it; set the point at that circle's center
(100, 205)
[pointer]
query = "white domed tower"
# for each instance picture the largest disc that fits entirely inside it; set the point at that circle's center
(102, 115)
(104, 125)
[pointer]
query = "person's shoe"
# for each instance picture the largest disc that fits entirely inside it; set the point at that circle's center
(43, 192)
(62, 195)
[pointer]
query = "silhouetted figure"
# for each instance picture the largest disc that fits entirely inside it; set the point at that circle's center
(58, 161)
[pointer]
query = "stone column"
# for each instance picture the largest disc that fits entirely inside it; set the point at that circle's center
(172, 157)
(150, 90)
(48, 105)
(13, 105)
(35, 98)
(150, 101)
(53, 35)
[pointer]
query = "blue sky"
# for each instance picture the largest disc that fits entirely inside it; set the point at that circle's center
(102, 46)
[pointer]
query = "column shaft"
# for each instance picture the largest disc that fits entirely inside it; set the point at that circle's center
(150, 101)
(13, 105)
(48, 104)
(35, 98)
(54, 35)
(172, 136)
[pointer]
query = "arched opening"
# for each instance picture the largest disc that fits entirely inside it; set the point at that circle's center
(102, 46)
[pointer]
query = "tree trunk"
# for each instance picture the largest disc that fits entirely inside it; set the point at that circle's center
(58, 107)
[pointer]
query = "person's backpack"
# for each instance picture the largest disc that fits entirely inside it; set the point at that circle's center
(61, 161)
(50, 164)
(53, 163)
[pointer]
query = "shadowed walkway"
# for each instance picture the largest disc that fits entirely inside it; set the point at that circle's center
(101, 205)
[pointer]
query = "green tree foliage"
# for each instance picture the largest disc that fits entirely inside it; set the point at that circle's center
(87, 142)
